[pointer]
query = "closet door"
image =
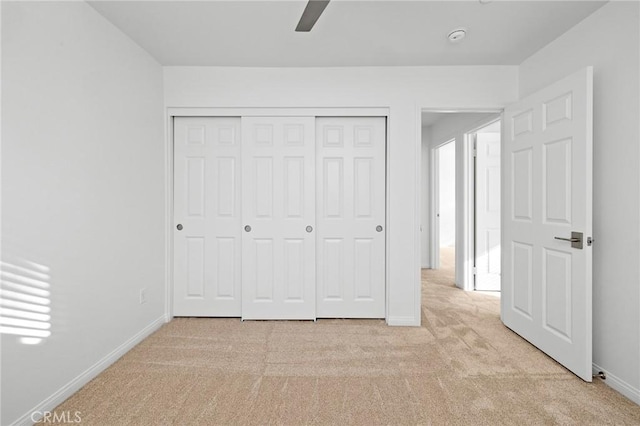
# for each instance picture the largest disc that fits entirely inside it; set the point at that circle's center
(350, 162)
(278, 210)
(207, 228)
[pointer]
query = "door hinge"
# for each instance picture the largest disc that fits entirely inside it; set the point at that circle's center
(589, 241)
(475, 270)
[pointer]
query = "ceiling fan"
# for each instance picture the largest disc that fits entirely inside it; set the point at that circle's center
(311, 13)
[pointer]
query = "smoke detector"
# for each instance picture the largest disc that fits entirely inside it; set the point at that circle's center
(456, 35)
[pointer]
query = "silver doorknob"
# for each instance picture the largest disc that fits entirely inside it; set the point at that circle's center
(247, 228)
(309, 228)
(179, 227)
(379, 228)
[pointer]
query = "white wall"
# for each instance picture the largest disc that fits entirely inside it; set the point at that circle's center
(608, 40)
(454, 126)
(404, 90)
(83, 195)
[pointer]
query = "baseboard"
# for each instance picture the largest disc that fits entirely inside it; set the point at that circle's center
(74, 385)
(403, 321)
(618, 384)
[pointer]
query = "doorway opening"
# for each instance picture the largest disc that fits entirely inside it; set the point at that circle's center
(546, 185)
(449, 204)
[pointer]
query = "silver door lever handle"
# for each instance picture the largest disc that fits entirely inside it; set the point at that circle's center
(571, 240)
(575, 240)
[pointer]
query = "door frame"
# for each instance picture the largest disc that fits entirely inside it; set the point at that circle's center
(464, 253)
(469, 279)
(172, 112)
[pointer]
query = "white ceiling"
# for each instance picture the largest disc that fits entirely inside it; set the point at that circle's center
(431, 118)
(349, 33)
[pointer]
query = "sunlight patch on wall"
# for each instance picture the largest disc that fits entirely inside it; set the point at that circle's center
(25, 301)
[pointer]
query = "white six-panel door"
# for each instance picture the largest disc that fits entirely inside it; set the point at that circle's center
(488, 212)
(207, 268)
(350, 182)
(278, 209)
(547, 186)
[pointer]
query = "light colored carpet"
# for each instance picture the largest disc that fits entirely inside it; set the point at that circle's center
(461, 367)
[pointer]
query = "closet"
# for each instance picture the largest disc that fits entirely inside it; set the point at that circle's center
(279, 217)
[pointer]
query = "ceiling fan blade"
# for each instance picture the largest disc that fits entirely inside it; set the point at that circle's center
(311, 13)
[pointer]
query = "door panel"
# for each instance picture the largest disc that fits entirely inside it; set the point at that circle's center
(195, 186)
(330, 287)
(226, 250)
(522, 293)
(195, 267)
(207, 205)
(351, 204)
(333, 194)
(556, 187)
(556, 292)
(522, 186)
(293, 269)
(363, 279)
(547, 187)
(278, 204)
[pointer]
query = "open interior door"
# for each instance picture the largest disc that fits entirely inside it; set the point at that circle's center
(546, 220)
(487, 210)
